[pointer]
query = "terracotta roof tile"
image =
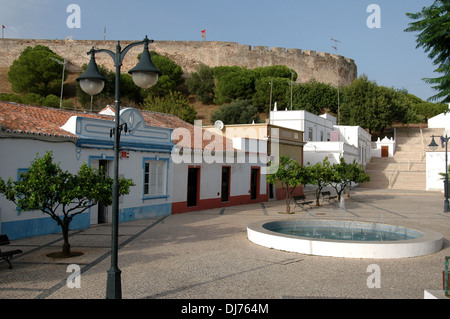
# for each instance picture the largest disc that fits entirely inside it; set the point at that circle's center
(36, 120)
(39, 120)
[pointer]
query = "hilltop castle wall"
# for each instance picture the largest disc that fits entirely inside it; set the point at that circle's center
(323, 67)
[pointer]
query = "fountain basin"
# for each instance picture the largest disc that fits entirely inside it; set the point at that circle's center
(317, 237)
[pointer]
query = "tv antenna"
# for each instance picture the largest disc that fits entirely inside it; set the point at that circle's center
(335, 47)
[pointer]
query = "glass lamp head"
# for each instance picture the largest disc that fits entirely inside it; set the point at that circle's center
(92, 81)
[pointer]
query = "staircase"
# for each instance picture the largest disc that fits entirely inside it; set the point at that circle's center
(407, 169)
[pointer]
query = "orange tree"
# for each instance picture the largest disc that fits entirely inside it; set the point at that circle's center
(321, 175)
(291, 174)
(346, 173)
(61, 194)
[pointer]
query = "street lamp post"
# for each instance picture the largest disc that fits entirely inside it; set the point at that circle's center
(433, 146)
(144, 74)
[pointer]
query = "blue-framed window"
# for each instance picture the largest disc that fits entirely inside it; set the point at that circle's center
(155, 178)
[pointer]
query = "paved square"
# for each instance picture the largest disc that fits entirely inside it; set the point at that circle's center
(206, 254)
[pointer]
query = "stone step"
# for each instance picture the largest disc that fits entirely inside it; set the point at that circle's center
(393, 166)
(410, 180)
(408, 160)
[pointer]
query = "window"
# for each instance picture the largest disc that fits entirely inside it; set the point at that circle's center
(155, 178)
(310, 134)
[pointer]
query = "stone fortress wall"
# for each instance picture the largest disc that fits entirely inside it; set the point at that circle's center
(323, 67)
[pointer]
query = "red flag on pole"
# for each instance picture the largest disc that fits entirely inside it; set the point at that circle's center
(3, 27)
(203, 33)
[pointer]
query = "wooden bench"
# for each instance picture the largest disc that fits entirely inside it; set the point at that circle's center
(301, 201)
(327, 196)
(7, 255)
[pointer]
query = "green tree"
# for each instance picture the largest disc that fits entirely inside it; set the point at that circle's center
(433, 23)
(371, 106)
(346, 173)
(36, 71)
(321, 175)
(169, 80)
(236, 112)
(290, 174)
(201, 83)
(263, 86)
(276, 71)
(174, 103)
(128, 90)
(233, 83)
(314, 97)
(61, 194)
(51, 100)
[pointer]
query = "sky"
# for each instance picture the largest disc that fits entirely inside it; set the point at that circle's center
(384, 52)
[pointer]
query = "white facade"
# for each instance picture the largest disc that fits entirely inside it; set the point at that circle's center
(315, 152)
(386, 142)
(440, 121)
(314, 128)
(92, 145)
(435, 165)
(324, 138)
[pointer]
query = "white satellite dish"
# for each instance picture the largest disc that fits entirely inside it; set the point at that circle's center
(218, 125)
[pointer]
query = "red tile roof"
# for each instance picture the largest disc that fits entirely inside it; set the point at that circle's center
(45, 121)
(36, 120)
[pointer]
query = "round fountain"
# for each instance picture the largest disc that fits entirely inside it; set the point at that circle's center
(342, 238)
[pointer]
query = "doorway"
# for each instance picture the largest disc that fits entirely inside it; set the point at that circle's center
(254, 181)
(384, 151)
(225, 191)
(193, 186)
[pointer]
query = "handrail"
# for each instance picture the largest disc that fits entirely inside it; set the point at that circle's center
(424, 153)
(394, 175)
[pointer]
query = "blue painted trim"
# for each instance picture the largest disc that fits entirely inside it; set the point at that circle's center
(41, 226)
(44, 226)
(124, 145)
(151, 211)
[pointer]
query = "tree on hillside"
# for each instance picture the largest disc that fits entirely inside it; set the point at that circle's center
(314, 97)
(201, 83)
(236, 112)
(128, 91)
(233, 83)
(276, 71)
(433, 23)
(36, 71)
(174, 103)
(262, 96)
(291, 175)
(61, 194)
(171, 76)
(371, 106)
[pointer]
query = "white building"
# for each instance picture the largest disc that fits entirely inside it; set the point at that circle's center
(436, 159)
(149, 155)
(440, 121)
(324, 138)
(75, 138)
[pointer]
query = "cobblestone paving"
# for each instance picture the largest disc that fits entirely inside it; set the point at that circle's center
(206, 254)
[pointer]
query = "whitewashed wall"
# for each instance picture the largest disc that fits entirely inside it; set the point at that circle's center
(435, 165)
